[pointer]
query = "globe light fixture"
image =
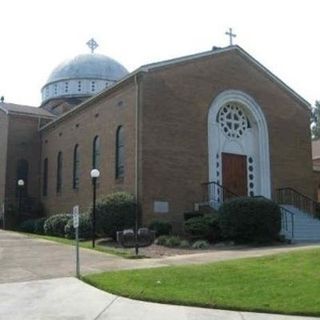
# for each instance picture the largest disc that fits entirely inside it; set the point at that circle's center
(95, 173)
(20, 187)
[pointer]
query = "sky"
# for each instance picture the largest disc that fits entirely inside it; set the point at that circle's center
(38, 35)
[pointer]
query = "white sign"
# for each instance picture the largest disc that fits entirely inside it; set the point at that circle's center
(75, 216)
(161, 207)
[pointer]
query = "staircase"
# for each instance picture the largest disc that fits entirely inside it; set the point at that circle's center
(303, 222)
(300, 215)
(305, 227)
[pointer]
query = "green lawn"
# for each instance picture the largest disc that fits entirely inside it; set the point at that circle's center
(125, 253)
(284, 283)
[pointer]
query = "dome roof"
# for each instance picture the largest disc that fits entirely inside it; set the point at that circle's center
(88, 66)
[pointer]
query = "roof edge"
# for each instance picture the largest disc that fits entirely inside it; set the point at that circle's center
(92, 99)
(153, 66)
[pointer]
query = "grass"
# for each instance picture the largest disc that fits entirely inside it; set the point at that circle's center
(88, 245)
(284, 283)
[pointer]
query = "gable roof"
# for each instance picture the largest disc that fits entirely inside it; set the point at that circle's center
(12, 108)
(164, 64)
(243, 53)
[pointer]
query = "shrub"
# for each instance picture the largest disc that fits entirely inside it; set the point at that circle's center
(200, 244)
(27, 226)
(161, 228)
(85, 228)
(168, 241)
(39, 225)
(114, 213)
(250, 220)
(161, 241)
(184, 244)
(54, 225)
(203, 227)
(192, 214)
(173, 241)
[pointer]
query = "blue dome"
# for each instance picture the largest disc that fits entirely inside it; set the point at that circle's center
(88, 66)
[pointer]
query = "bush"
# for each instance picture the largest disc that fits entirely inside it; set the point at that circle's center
(200, 244)
(184, 244)
(168, 241)
(27, 226)
(203, 227)
(85, 228)
(54, 225)
(161, 228)
(39, 225)
(250, 220)
(173, 241)
(161, 241)
(115, 212)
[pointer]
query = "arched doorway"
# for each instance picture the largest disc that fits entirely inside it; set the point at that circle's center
(238, 145)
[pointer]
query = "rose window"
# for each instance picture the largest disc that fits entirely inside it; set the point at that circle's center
(232, 120)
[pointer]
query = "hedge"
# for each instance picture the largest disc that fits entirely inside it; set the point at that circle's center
(85, 228)
(203, 227)
(54, 225)
(246, 220)
(161, 228)
(115, 212)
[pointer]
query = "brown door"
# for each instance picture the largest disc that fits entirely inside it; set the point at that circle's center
(234, 174)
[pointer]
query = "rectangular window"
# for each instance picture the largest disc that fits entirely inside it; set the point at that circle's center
(45, 178)
(59, 172)
(76, 168)
(120, 153)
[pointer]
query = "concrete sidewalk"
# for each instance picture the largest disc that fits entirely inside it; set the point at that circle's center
(23, 258)
(69, 298)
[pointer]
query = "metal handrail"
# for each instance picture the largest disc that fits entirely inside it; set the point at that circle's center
(219, 186)
(291, 196)
(287, 211)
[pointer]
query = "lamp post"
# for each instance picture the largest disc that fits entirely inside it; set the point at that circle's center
(95, 173)
(20, 186)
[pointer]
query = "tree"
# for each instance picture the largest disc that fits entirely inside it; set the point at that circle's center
(315, 121)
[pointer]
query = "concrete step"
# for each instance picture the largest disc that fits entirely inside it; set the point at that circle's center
(306, 227)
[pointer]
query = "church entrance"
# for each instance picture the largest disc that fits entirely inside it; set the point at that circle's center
(238, 147)
(234, 174)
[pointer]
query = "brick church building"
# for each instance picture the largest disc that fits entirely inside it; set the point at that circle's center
(175, 134)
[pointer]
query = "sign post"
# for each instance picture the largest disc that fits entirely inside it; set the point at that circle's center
(76, 228)
(3, 216)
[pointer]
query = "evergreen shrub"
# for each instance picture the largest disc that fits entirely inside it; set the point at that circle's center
(246, 220)
(115, 212)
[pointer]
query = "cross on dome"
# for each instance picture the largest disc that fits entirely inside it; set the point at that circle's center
(231, 35)
(92, 44)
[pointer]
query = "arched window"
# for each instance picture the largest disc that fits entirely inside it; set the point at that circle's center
(59, 172)
(22, 174)
(96, 153)
(120, 153)
(76, 167)
(45, 178)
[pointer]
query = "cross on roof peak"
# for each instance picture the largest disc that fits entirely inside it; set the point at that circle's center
(92, 44)
(231, 35)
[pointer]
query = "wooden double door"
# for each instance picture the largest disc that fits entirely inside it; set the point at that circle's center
(234, 175)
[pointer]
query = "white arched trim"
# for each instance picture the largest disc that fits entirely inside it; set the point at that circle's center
(256, 115)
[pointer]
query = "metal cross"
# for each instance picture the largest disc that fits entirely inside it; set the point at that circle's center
(231, 35)
(92, 44)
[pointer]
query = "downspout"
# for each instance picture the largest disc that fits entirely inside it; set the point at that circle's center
(137, 105)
